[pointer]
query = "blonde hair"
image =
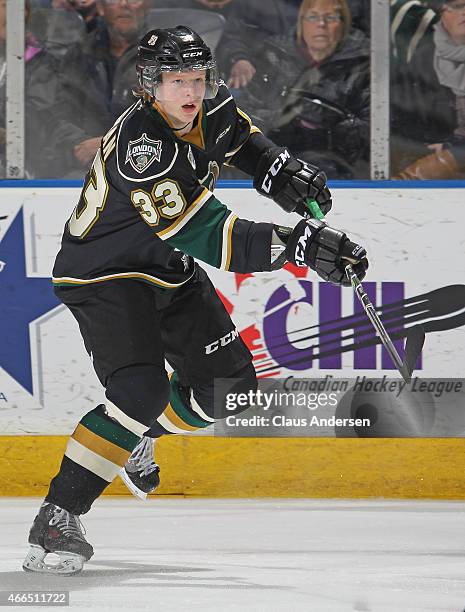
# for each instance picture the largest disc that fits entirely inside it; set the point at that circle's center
(339, 5)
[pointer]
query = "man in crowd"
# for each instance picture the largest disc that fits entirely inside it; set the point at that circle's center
(447, 160)
(96, 82)
(427, 122)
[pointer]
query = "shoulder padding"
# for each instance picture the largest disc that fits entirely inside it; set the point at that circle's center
(142, 152)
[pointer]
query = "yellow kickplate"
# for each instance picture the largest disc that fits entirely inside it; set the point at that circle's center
(251, 467)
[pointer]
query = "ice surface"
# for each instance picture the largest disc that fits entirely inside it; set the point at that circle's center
(273, 555)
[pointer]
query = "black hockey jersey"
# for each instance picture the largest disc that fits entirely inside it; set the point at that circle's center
(147, 206)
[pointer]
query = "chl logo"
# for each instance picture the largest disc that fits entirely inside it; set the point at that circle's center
(143, 152)
(338, 323)
(226, 339)
(274, 169)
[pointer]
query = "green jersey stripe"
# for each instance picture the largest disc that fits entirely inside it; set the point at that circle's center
(181, 221)
(109, 430)
(180, 409)
(202, 236)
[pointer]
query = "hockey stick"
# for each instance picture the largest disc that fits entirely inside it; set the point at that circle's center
(415, 336)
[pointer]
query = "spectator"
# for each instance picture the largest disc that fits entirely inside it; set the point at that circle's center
(360, 11)
(252, 22)
(448, 157)
(223, 7)
(97, 78)
(88, 11)
(312, 91)
(40, 77)
(248, 25)
(449, 56)
(422, 110)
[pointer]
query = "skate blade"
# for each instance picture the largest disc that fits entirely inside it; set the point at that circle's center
(138, 493)
(69, 563)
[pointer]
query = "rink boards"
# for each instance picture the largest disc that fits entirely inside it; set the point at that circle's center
(415, 241)
(248, 467)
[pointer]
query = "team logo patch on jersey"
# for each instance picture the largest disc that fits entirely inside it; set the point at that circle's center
(143, 152)
(153, 39)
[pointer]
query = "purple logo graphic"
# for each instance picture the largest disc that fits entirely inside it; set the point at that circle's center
(328, 332)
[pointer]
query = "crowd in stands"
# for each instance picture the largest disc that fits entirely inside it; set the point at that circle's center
(299, 68)
(428, 89)
(311, 89)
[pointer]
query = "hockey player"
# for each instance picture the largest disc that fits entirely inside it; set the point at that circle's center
(127, 271)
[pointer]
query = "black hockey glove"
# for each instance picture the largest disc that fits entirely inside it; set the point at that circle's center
(290, 182)
(325, 250)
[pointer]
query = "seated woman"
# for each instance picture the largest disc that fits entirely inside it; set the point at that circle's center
(311, 92)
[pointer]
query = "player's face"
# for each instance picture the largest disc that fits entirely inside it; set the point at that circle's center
(322, 28)
(180, 95)
(453, 20)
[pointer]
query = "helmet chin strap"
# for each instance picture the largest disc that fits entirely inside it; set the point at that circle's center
(181, 128)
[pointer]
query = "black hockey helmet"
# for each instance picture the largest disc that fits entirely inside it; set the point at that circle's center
(178, 49)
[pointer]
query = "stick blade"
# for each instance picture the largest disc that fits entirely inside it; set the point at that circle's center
(413, 346)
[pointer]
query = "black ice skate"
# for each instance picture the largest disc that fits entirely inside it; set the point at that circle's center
(55, 530)
(141, 473)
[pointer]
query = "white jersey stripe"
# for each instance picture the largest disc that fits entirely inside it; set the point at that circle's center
(196, 408)
(194, 208)
(69, 280)
(108, 148)
(91, 461)
(112, 131)
(226, 243)
(213, 110)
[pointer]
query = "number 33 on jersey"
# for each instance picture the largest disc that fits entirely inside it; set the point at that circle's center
(148, 200)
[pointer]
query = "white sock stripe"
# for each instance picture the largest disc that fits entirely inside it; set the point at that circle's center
(91, 461)
(196, 408)
(168, 425)
(123, 419)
